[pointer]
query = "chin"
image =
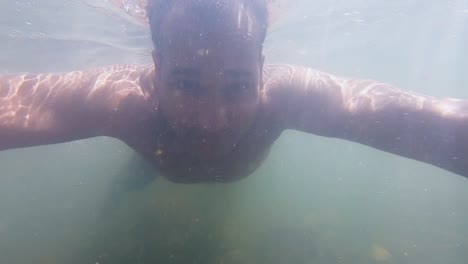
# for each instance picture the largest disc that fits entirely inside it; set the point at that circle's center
(210, 152)
(212, 144)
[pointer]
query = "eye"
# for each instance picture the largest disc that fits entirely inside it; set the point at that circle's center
(241, 86)
(239, 90)
(186, 85)
(238, 86)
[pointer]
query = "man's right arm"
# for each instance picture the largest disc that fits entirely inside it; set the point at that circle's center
(53, 108)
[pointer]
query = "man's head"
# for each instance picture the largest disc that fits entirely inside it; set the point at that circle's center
(208, 58)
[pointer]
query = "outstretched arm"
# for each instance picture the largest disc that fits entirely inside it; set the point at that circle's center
(424, 128)
(54, 108)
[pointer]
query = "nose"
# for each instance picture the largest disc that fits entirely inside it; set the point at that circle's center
(213, 109)
(212, 115)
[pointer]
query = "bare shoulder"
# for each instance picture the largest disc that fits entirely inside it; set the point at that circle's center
(120, 81)
(122, 91)
(287, 75)
(290, 91)
(285, 84)
(58, 107)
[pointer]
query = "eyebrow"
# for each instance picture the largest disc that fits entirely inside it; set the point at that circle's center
(185, 71)
(238, 73)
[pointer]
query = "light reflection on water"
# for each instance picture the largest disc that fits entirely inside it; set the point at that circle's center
(314, 200)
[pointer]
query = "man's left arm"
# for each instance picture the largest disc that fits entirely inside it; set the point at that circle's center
(424, 128)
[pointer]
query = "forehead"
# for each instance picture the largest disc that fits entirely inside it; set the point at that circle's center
(228, 37)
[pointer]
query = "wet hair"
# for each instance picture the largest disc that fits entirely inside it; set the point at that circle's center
(157, 11)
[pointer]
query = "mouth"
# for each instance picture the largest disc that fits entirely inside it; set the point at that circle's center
(205, 145)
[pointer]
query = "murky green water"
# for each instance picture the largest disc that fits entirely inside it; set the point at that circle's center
(315, 200)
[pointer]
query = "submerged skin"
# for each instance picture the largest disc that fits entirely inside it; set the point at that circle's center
(36, 110)
(208, 110)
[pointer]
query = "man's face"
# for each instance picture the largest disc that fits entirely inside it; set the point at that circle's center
(208, 77)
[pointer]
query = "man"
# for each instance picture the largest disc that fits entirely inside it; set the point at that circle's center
(208, 110)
